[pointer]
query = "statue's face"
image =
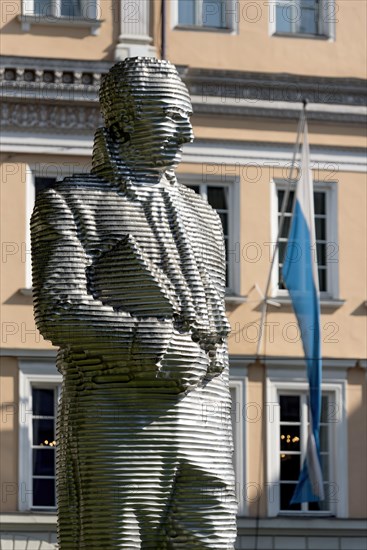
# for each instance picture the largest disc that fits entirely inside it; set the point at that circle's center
(160, 130)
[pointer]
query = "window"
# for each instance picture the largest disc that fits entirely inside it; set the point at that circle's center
(220, 197)
(287, 431)
(305, 17)
(321, 237)
(39, 392)
(44, 405)
(62, 8)
(326, 247)
(60, 12)
(293, 428)
(212, 14)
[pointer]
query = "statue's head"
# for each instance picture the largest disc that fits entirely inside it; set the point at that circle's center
(147, 107)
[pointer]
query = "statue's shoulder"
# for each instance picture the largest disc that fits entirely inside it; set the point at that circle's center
(198, 202)
(78, 183)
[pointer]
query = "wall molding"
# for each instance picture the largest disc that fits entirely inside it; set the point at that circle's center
(74, 137)
(213, 91)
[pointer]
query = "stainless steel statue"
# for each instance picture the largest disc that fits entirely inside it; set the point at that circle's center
(129, 280)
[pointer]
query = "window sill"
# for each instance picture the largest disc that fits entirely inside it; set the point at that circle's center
(200, 28)
(28, 20)
(301, 35)
(29, 521)
(322, 524)
(325, 303)
(307, 514)
(26, 291)
(235, 299)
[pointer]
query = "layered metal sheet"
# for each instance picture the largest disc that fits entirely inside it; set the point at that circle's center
(129, 277)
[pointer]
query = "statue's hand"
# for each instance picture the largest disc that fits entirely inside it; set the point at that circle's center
(185, 363)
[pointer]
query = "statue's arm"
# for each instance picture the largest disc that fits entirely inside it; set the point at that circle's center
(66, 313)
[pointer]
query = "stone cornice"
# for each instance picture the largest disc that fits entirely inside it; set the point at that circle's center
(241, 85)
(51, 79)
(214, 92)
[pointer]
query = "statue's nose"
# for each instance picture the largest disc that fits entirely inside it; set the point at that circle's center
(186, 131)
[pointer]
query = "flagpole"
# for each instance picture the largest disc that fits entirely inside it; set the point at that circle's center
(301, 124)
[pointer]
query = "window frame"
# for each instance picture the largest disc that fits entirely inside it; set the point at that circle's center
(233, 185)
(40, 374)
(326, 23)
(239, 386)
(230, 16)
(330, 189)
(90, 16)
(278, 383)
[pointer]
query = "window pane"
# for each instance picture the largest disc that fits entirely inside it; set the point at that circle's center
(282, 249)
(186, 12)
(286, 227)
(325, 466)
(289, 438)
(320, 225)
(286, 493)
(42, 7)
(283, 23)
(321, 253)
(224, 220)
(44, 462)
(217, 198)
(214, 13)
(195, 188)
(42, 183)
(281, 195)
(319, 202)
(322, 280)
(70, 8)
(289, 467)
(289, 408)
(281, 284)
(43, 402)
(43, 432)
(310, 16)
(44, 492)
(308, 23)
(324, 439)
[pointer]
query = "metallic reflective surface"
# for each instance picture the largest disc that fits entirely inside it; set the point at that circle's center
(129, 281)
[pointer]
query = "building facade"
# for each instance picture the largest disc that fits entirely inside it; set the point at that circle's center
(248, 66)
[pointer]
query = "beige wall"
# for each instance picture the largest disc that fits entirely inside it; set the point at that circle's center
(255, 50)
(57, 41)
(278, 131)
(8, 434)
(343, 327)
